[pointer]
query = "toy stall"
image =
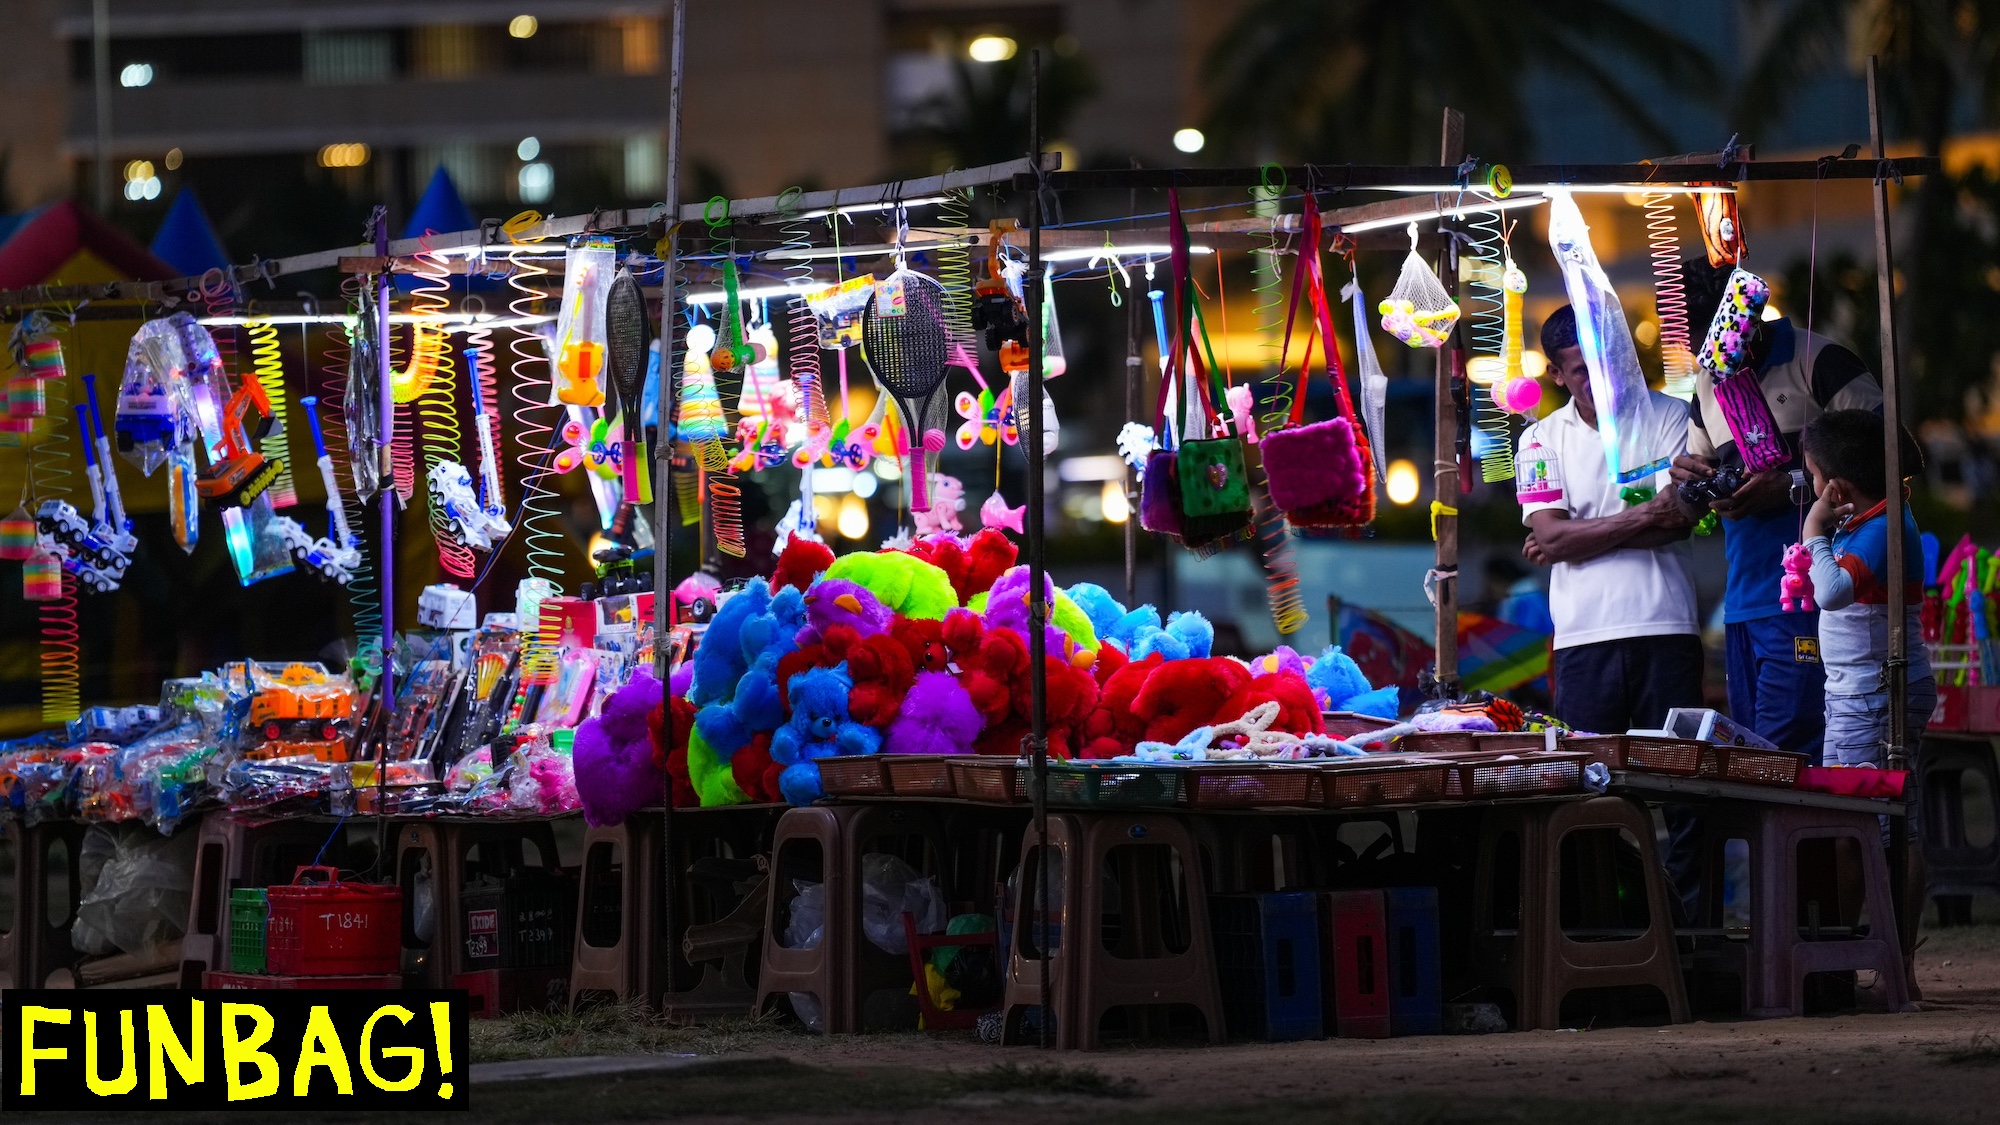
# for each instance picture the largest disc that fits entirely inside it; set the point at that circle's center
(872, 787)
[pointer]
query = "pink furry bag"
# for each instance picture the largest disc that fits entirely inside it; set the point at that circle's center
(1321, 474)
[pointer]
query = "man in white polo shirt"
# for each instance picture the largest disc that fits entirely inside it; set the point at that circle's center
(1627, 643)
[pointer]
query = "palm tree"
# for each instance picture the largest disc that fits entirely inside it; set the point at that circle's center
(1365, 79)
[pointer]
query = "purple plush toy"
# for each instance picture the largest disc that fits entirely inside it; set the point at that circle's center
(836, 601)
(937, 717)
(613, 754)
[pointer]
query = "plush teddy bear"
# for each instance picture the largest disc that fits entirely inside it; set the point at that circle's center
(906, 584)
(937, 717)
(924, 641)
(838, 601)
(989, 663)
(1069, 633)
(1071, 696)
(1338, 685)
(753, 770)
(802, 561)
(972, 564)
(616, 774)
(820, 727)
(719, 662)
(765, 639)
(1181, 695)
(711, 776)
(1187, 636)
(670, 759)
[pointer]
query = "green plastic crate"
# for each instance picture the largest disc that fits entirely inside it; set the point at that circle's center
(1076, 785)
(249, 908)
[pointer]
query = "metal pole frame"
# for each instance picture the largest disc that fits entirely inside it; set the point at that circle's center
(664, 516)
(1038, 608)
(1444, 448)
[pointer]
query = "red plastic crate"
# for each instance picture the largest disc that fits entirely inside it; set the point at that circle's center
(266, 980)
(333, 928)
(1356, 932)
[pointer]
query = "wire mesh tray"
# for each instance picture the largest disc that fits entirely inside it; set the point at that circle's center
(1752, 765)
(1113, 785)
(864, 775)
(1245, 785)
(920, 775)
(1381, 779)
(1677, 757)
(1499, 773)
(999, 781)
(1466, 741)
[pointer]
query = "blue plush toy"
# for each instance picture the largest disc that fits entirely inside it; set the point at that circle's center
(819, 728)
(1188, 635)
(1114, 623)
(719, 661)
(1339, 685)
(727, 723)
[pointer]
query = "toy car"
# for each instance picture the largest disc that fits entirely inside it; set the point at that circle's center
(293, 712)
(451, 489)
(319, 556)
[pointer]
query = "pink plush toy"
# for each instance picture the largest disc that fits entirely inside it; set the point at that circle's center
(1796, 585)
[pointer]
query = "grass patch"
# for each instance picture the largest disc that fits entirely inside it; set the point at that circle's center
(1070, 1081)
(1983, 1049)
(1955, 941)
(628, 1028)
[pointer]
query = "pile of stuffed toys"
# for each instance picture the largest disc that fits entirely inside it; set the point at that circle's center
(922, 649)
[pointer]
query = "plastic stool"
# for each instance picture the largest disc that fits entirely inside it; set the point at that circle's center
(1536, 960)
(1416, 993)
(1094, 968)
(1783, 948)
(1956, 868)
(442, 848)
(844, 968)
(1257, 854)
(233, 852)
(1267, 958)
(36, 953)
(1357, 958)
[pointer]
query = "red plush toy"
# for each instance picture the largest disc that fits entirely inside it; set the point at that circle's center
(1298, 711)
(755, 773)
(882, 672)
(825, 653)
(1181, 695)
(974, 565)
(799, 563)
(1071, 697)
(924, 641)
(1113, 727)
(673, 761)
(993, 669)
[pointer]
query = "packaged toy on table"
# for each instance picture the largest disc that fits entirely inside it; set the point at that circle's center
(294, 708)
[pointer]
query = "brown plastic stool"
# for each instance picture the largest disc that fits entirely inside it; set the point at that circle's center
(443, 847)
(622, 951)
(1256, 854)
(844, 969)
(1532, 955)
(36, 952)
(1798, 923)
(1097, 965)
(235, 851)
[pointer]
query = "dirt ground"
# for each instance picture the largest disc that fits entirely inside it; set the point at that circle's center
(1938, 1064)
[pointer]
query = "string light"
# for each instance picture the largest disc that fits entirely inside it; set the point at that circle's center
(1116, 508)
(523, 27)
(991, 49)
(1403, 482)
(1189, 140)
(853, 521)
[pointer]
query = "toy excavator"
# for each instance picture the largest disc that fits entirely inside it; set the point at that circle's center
(243, 473)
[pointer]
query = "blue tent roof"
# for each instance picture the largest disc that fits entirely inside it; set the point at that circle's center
(186, 241)
(440, 209)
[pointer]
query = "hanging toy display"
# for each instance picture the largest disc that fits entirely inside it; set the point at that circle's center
(237, 472)
(626, 330)
(42, 577)
(1015, 363)
(997, 308)
(17, 534)
(336, 556)
(702, 424)
(1418, 311)
(1670, 294)
(580, 328)
(1721, 227)
(1514, 391)
(1726, 355)
(1617, 384)
(905, 343)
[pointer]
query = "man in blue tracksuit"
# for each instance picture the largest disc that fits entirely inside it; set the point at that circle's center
(1776, 683)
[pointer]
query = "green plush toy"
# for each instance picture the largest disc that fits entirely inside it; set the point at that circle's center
(711, 777)
(906, 584)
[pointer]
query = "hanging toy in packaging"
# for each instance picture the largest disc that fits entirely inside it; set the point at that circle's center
(41, 577)
(1726, 355)
(837, 311)
(580, 328)
(1721, 227)
(156, 420)
(110, 519)
(627, 327)
(491, 503)
(1418, 311)
(335, 556)
(1514, 391)
(997, 308)
(703, 425)
(1616, 382)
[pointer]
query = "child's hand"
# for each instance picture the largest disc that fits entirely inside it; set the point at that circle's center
(1823, 516)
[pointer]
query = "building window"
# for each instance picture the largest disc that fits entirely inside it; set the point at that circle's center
(345, 58)
(645, 171)
(639, 39)
(452, 51)
(474, 169)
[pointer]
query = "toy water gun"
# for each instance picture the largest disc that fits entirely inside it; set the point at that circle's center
(243, 473)
(1982, 631)
(334, 557)
(1954, 627)
(103, 474)
(490, 499)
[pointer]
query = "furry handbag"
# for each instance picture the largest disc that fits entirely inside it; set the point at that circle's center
(1321, 474)
(1160, 496)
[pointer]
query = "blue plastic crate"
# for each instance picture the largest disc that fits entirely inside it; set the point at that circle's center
(1267, 962)
(1416, 1001)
